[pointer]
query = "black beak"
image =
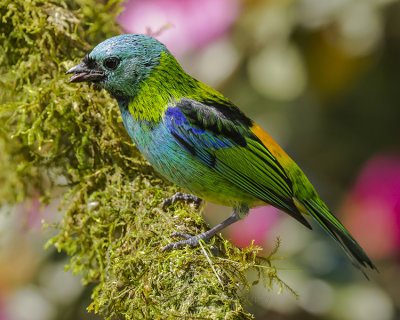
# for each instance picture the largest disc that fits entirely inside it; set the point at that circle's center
(84, 73)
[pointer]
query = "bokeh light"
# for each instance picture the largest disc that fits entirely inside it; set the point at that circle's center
(189, 24)
(372, 208)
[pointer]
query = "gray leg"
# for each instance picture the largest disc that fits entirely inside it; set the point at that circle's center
(181, 197)
(194, 240)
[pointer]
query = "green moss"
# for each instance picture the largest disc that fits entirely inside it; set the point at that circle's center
(54, 136)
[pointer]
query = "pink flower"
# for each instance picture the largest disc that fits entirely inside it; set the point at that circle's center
(32, 212)
(254, 227)
(372, 209)
(192, 23)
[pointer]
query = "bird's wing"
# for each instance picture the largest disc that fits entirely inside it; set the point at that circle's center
(220, 136)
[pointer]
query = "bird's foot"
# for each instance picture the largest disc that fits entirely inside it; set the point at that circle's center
(192, 241)
(181, 197)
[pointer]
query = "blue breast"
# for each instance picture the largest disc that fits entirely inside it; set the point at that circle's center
(160, 148)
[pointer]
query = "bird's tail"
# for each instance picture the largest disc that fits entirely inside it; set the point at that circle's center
(320, 212)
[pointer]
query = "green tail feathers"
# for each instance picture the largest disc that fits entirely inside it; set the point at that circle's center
(319, 211)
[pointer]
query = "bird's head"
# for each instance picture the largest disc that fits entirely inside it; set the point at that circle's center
(120, 63)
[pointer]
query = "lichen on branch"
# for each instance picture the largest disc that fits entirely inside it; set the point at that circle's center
(54, 135)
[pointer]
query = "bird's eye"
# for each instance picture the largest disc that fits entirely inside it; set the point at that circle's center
(111, 63)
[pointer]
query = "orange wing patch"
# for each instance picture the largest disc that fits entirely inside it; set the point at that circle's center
(271, 145)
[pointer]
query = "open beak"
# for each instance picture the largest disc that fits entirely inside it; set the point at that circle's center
(83, 73)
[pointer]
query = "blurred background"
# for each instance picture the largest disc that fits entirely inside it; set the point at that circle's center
(322, 77)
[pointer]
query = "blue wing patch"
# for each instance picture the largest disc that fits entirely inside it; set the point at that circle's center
(193, 139)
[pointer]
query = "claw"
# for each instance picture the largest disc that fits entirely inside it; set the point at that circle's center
(182, 235)
(189, 240)
(194, 240)
(181, 197)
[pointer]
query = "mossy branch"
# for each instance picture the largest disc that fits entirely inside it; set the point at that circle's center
(57, 136)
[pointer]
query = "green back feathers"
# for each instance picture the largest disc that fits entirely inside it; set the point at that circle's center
(166, 82)
(166, 85)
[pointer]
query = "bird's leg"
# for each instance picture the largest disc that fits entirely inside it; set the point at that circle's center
(181, 197)
(194, 240)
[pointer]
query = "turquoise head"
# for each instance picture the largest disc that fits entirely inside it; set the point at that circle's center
(120, 64)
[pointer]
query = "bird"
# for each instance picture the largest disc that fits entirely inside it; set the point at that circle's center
(198, 139)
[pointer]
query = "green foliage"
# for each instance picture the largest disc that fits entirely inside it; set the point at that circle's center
(54, 136)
